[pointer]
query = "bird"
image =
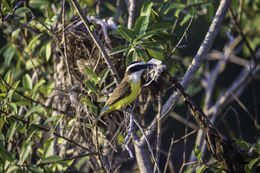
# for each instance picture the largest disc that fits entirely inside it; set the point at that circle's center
(128, 89)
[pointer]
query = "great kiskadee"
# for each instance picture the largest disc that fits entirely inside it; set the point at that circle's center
(128, 89)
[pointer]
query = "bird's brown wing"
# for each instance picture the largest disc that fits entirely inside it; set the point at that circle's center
(121, 91)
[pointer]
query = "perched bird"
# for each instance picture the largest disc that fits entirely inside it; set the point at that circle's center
(128, 89)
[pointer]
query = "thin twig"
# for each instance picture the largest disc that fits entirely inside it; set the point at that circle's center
(147, 142)
(159, 133)
(242, 34)
(182, 37)
(168, 156)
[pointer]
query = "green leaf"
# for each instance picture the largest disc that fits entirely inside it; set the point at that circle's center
(11, 131)
(131, 57)
(91, 86)
(32, 110)
(177, 6)
(243, 144)
(197, 152)
(57, 120)
(91, 105)
(27, 81)
(201, 169)
(159, 27)
(125, 33)
(9, 53)
(146, 36)
(247, 170)
(51, 118)
(155, 54)
(38, 84)
(26, 152)
(103, 76)
(141, 25)
(5, 155)
(22, 10)
(39, 4)
(190, 169)
(142, 21)
(118, 49)
(51, 159)
(146, 9)
(13, 107)
(7, 5)
(8, 77)
(252, 163)
(48, 148)
(142, 54)
(48, 51)
(45, 51)
(185, 19)
(91, 74)
(33, 41)
(36, 169)
(165, 8)
(35, 62)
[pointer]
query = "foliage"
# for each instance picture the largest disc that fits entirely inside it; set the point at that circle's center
(28, 126)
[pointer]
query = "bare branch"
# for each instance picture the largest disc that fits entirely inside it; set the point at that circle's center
(201, 54)
(131, 10)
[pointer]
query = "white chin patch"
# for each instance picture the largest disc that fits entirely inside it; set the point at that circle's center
(135, 77)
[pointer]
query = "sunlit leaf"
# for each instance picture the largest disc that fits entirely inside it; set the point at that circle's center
(11, 131)
(35, 62)
(33, 110)
(33, 41)
(26, 152)
(48, 148)
(8, 77)
(13, 107)
(142, 21)
(27, 81)
(50, 159)
(252, 162)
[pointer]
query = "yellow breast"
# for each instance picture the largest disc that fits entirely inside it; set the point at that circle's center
(135, 90)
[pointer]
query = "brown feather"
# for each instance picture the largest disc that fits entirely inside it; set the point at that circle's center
(121, 91)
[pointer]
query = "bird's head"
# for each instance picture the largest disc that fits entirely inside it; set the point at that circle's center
(134, 71)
